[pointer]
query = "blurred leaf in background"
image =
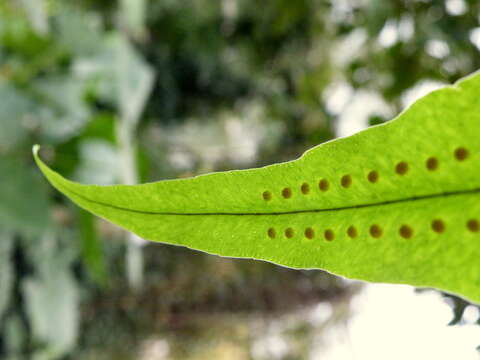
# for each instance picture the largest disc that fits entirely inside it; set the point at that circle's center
(24, 198)
(6, 270)
(15, 108)
(51, 299)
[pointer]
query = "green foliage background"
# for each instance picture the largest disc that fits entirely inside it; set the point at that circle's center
(138, 91)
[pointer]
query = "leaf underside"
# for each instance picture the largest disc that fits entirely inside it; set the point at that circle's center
(396, 203)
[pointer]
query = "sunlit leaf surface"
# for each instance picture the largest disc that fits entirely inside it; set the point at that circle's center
(395, 203)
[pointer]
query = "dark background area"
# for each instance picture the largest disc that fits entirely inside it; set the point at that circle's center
(135, 91)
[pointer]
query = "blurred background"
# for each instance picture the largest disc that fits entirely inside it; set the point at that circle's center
(133, 91)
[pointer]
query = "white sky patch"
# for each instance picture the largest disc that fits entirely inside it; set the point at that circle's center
(337, 95)
(321, 313)
(437, 48)
(355, 115)
(386, 322)
(406, 28)
(228, 136)
(244, 138)
(349, 47)
(157, 349)
(341, 11)
(389, 34)
(475, 37)
(421, 89)
(456, 7)
(271, 346)
(394, 323)
(471, 314)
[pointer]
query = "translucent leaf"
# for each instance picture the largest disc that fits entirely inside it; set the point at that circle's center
(396, 203)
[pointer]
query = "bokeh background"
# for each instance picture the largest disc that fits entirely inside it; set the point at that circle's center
(133, 91)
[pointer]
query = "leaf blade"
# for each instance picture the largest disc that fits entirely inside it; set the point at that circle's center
(281, 213)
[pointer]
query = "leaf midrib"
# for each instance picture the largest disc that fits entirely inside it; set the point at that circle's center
(292, 212)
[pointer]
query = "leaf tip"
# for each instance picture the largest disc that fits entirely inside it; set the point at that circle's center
(35, 150)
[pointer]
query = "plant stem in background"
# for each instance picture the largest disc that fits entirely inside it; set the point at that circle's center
(128, 174)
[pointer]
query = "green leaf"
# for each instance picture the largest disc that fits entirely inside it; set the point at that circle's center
(15, 109)
(52, 300)
(24, 204)
(63, 111)
(78, 31)
(396, 203)
(120, 75)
